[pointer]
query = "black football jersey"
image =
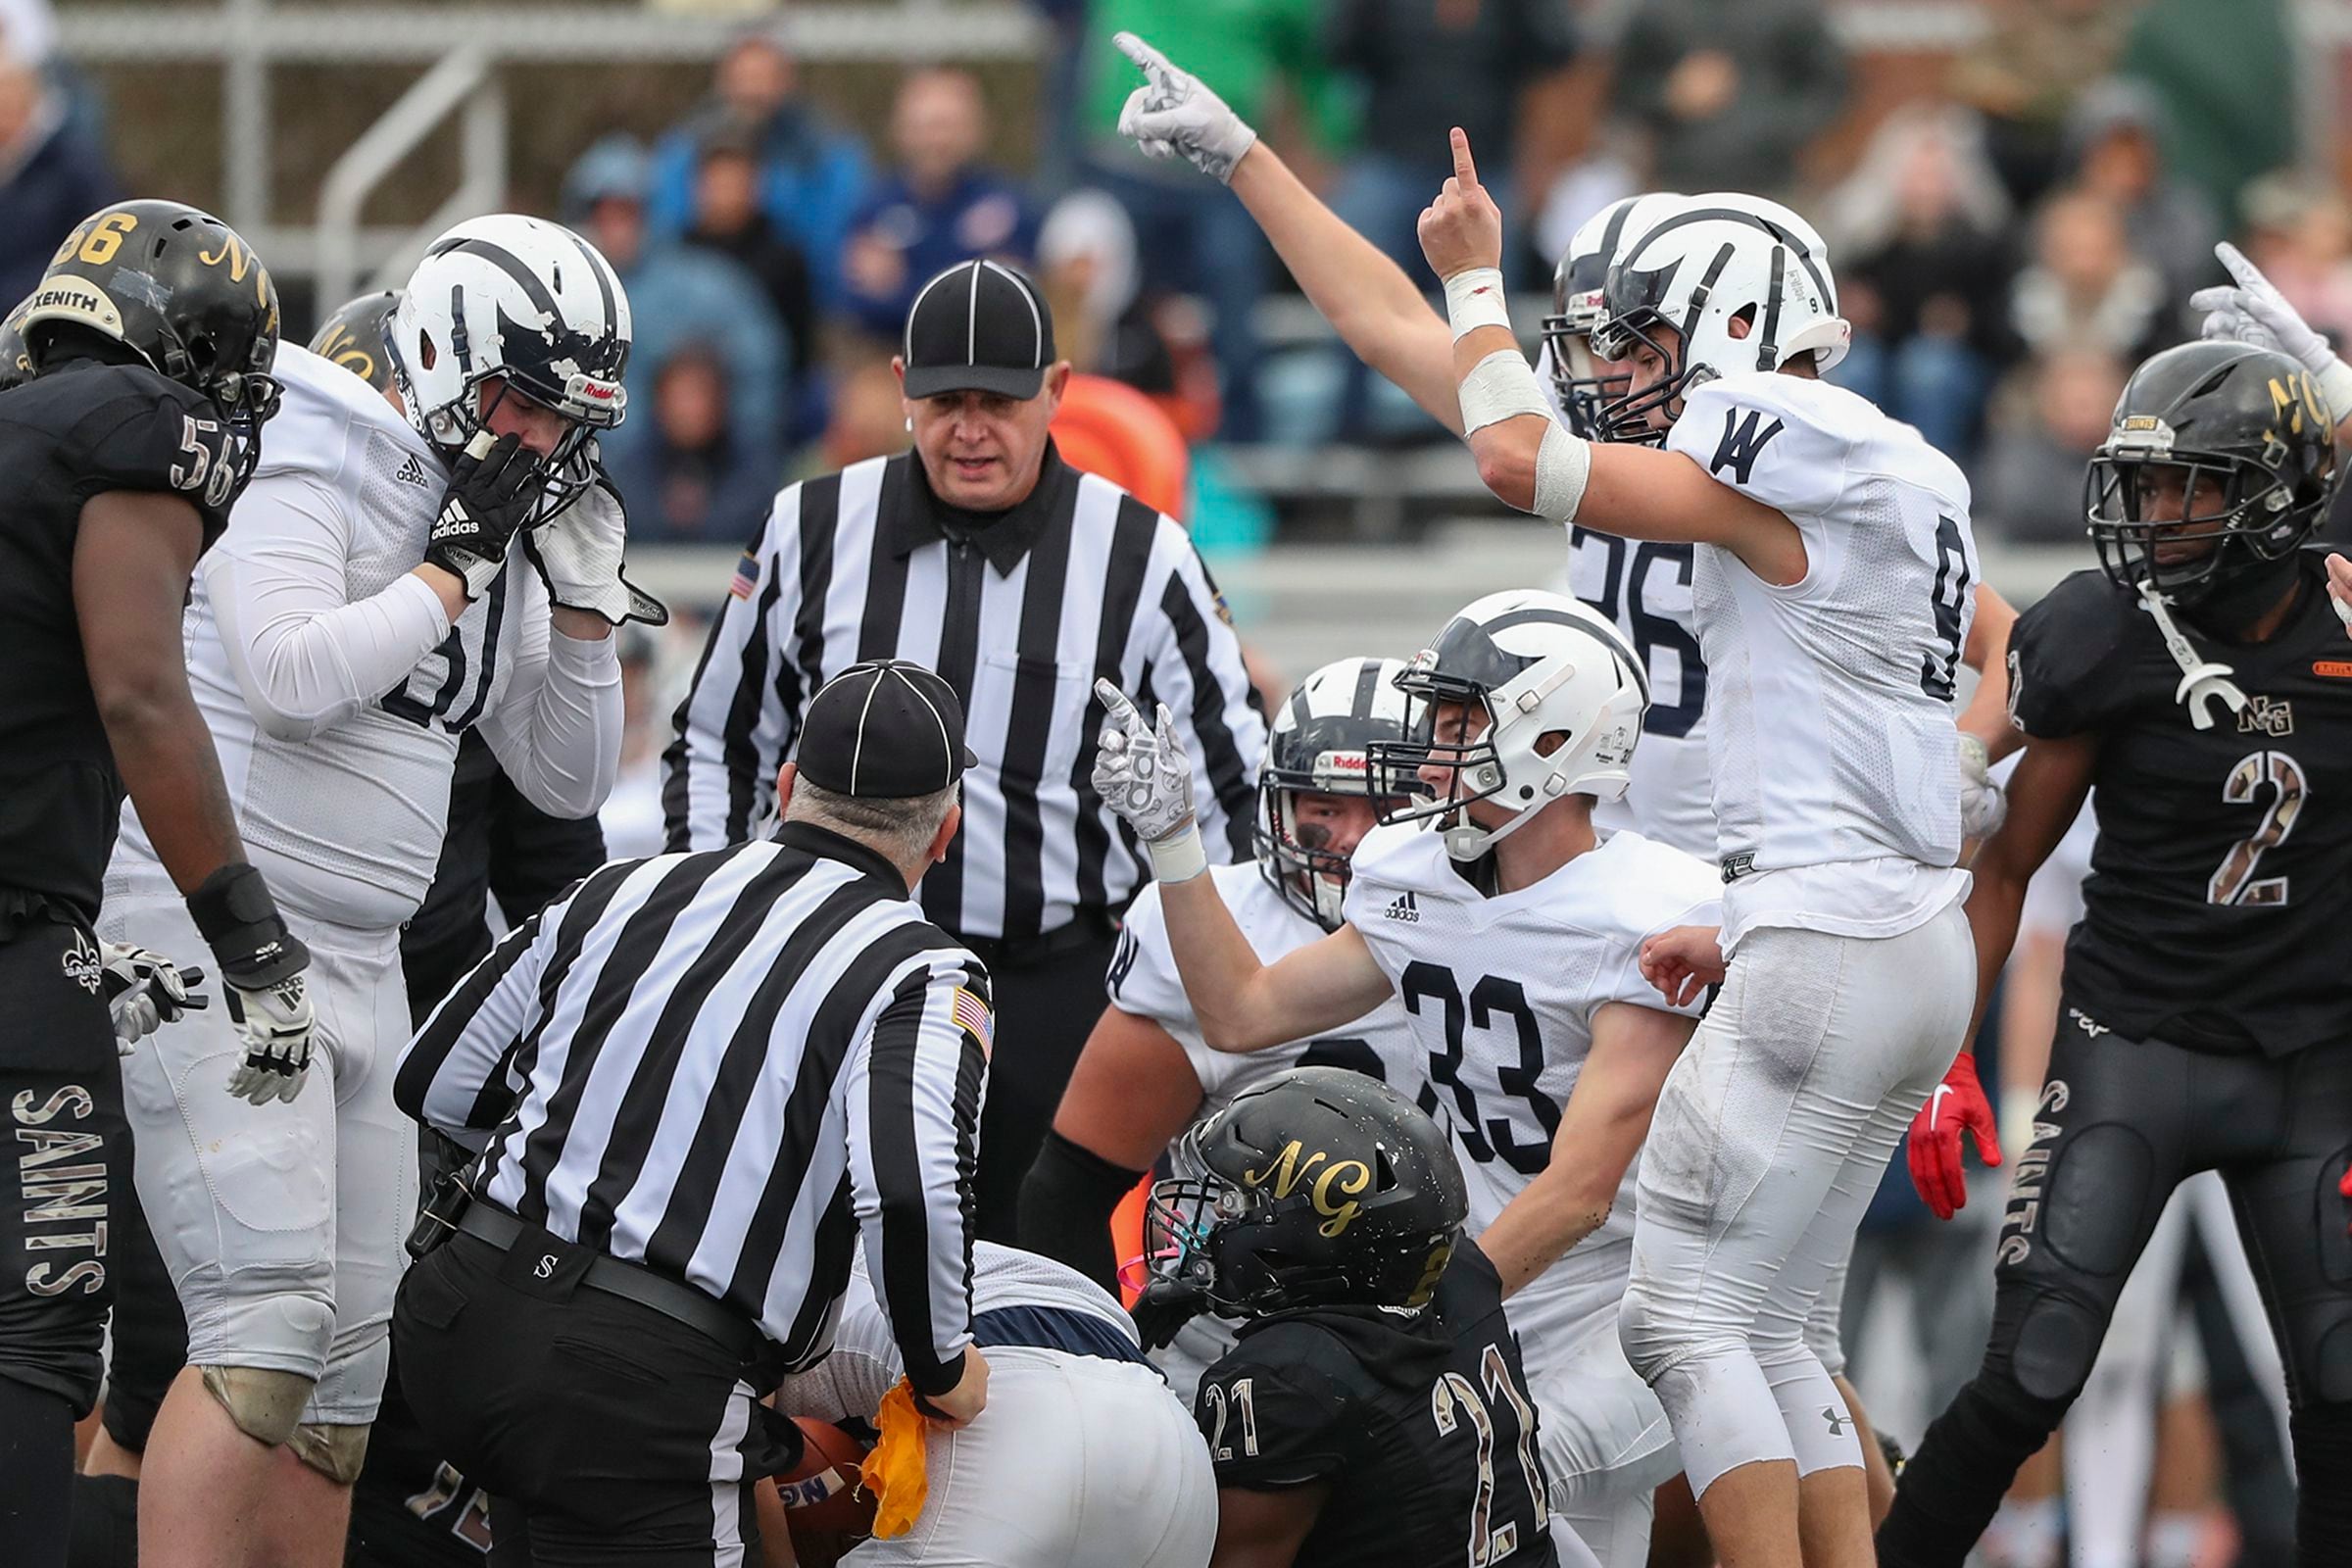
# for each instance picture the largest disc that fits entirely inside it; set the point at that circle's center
(1420, 1424)
(2221, 881)
(82, 429)
(410, 1506)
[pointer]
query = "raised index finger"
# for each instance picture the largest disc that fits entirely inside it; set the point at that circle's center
(1150, 61)
(1464, 168)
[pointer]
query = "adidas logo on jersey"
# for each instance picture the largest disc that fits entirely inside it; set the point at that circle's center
(1404, 907)
(412, 472)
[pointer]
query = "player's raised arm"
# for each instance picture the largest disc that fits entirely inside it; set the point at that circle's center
(1532, 461)
(1378, 311)
(1142, 775)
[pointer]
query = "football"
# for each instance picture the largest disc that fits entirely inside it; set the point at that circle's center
(823, 1491)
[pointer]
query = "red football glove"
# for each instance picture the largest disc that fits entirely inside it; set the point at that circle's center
(1958, 1104)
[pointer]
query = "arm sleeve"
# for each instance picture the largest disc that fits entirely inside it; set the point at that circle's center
(743, 712)
(1621, 980)
(455, 1072)
(1266, 1424)
(557, 730)
(304, 658)
(1196, 668)
(913, 1086)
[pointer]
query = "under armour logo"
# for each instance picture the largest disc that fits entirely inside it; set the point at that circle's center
(547, 1266)
(1405, 907)
(1743, 443)
(1836, 1419)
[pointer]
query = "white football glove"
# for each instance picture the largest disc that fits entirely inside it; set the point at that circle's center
(578, 555)
(275, 1023)
(2249, 309)
(1145, 776)
(144, 990)
(1983, 804)
(1174, 113)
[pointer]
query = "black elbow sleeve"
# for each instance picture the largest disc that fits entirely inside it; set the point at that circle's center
(1066, 1205)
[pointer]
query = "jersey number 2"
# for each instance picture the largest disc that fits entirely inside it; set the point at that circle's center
(1454, 1399)
(2234, 880)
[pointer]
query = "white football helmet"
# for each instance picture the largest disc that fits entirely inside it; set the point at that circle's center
(1320, 743)
(1535, 663)
(1723, 256)
(1577, 283)
(527, 300)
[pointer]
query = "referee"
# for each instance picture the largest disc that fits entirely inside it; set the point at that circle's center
(1022, 581)
(704, 1079)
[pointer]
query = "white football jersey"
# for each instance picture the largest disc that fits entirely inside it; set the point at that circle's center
(348, 819)
(1831, 728)
(1501, 992)
(1644, 586)
(1144, 981)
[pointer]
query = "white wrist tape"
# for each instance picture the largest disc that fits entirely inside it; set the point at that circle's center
(1474, 299)
(1563, 463)
(1178, 857)
(1501, 386)
(2335, 389)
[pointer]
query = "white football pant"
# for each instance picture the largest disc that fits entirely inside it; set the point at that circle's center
(281, 1224)
(1770, 1136)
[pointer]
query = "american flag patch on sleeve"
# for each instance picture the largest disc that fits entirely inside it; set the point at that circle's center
(972, 1017)
(746, 578)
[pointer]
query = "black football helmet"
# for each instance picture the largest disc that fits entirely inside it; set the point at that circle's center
(178, 288)
(2219, 464)
(1320, 743)
(16, 356)
(353, 336)
(1324, 1188)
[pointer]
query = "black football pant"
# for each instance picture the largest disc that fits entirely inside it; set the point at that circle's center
(607, 1434)
(1045, 1008)
(68, 1168)
(2120, 1124)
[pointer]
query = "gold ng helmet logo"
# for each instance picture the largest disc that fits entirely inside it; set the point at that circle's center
(1328, 1190)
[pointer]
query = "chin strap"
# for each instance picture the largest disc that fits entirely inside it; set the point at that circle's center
(2202, 680)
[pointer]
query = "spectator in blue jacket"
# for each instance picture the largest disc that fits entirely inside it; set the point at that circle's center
(812, 175)
(678, 294)
(53, 175)
(942, 206)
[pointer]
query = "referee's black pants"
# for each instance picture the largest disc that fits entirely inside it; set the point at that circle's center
(68, 1169)
(605, 1433)
(2120, 1124)
(1046, 1006)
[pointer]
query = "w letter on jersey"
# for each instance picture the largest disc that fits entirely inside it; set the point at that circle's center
(1742, 442)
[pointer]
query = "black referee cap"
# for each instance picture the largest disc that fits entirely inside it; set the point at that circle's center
(979, 327)
(884, 730)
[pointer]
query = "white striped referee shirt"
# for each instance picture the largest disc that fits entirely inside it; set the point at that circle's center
(1019, 611)
(728, 1067)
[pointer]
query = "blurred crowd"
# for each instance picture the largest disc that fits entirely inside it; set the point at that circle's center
(2013, 225)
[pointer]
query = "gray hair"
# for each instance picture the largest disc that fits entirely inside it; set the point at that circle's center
(901, 830)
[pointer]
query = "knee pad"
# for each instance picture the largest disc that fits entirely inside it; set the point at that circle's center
(2054, 1348)
(334, 1451)
(265, 1405)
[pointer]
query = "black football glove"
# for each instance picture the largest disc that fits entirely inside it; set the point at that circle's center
(261, 979)
(492, 487)
(1165, 1307)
